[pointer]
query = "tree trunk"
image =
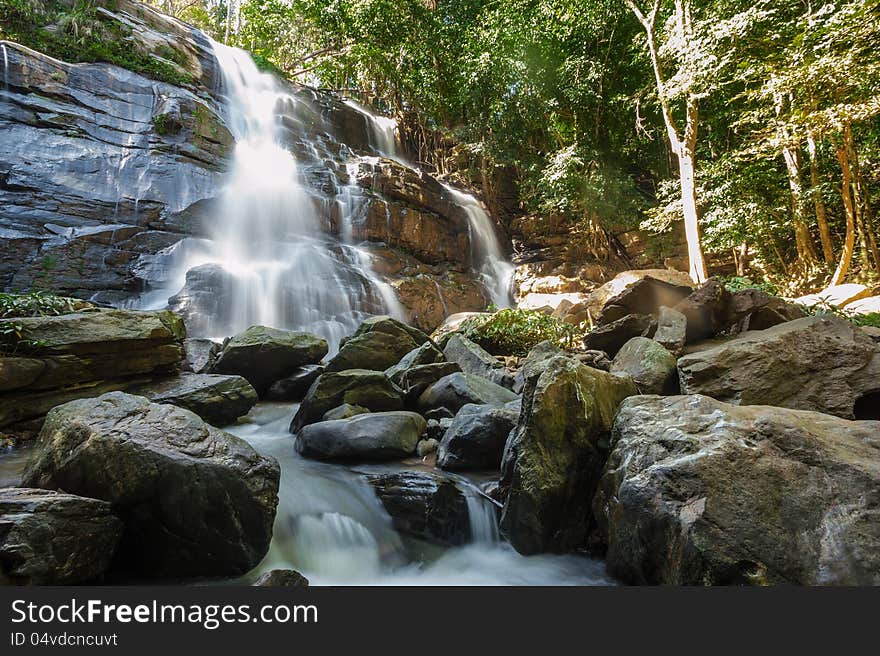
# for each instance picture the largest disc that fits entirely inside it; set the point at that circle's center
(819, 202)
(803, 239)
(849, 241)
(862, 206)
(696, 262)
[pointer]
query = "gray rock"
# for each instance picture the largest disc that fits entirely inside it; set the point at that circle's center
(372, 436)
(427, 353)
(699, 492)
(427, 447)
(456, 390)
(264, 355)
(438, 427)
(368, 389)
(195, 501)
(344, 411)
(283, 578)
(424, 505)
(217, 399)
(199, 355)
(476, 438)
(612, 336)
(820, 363)
(651, 367)
(556, 453)
(51, 538)
(379, 343)
(474, 359)
(417, 379)
(707, 310)
(295, 386)
(671, 330)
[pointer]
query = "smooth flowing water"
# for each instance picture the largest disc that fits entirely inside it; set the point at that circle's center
(331, 527)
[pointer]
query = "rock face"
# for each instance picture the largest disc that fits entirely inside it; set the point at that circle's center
(195, 501)
(371, 436)
(821, 363)
(378, 343)
(454, 391)
(264, 355)
(651, 367)
(555, 455)
(704, 493)
(476, 437)
(217, 399)
(51, 538)
(370, 389)
(76, 354)
(474, 359)
(424, 505)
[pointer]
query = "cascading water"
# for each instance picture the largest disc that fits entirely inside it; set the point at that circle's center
(267, 260)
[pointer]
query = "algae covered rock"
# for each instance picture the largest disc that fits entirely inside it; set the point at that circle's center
(369, 389)
(379, 343)
(556, 453)
(651, 366)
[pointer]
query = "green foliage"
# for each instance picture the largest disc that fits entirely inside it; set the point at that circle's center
(38, 304)
(739, 283)
(517, 331)
(79, 34)
(871, 319)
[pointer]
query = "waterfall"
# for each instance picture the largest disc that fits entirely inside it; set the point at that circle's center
(382, 131)
(487, 256)
(482, 517)
(267, 260)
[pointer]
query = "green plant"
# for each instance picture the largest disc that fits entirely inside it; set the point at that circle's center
(517, 331)
(739, 283)
(12, 339)
(37, 304)
(871, 319)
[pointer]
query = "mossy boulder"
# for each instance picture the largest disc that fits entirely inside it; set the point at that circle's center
(216, 398)
(195, 501)
(456, 390)
(556, 453)
(369, 389)
(700, 492)
(651, 367)
(379, 343)
(264, 355)
(373, 436)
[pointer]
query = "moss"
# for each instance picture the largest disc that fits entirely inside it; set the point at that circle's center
(81, 36)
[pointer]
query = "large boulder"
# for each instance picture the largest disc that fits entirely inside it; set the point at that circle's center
(671, 331)
(476, 437)
(51, 538)
(263, 355)
(295, 386)
(371, 436)
(424, 505)
(71, 355)
(556, 453)
(379, 343)
(612, 336)
(454, 391)
(651, 367)
(755, 309)
(474, 359)
(634, 292)
(427, 353)
(821, 363)
(195, 501)
(199, 355)
(217, 399)
(707, 310)
(417, 379)
(701, 492)
(370, 389)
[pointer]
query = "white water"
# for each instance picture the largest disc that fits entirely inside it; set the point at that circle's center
(383, 133)
(331, 527)
(276, 265)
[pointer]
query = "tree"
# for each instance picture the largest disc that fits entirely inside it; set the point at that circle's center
(682, 142)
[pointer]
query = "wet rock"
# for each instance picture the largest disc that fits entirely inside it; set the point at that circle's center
(264, 355)
(474, 359)
(750, 495)
(651, 367)
(415, 380)
(556, 453)
(51, 538)
(344, 411)
(454, 391)
(426, 447)
(476, 437)
(379, 343)
(372, 436)
(282, 578)
(671, 331)
(707, 311)
(217, 399)
(438, 427)
(821, 363)
(369, 389)
(427, 353)
(427, 506)
(199, 355)
(295, 386)
(610, 337)
(195, 501)
(79, 353)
